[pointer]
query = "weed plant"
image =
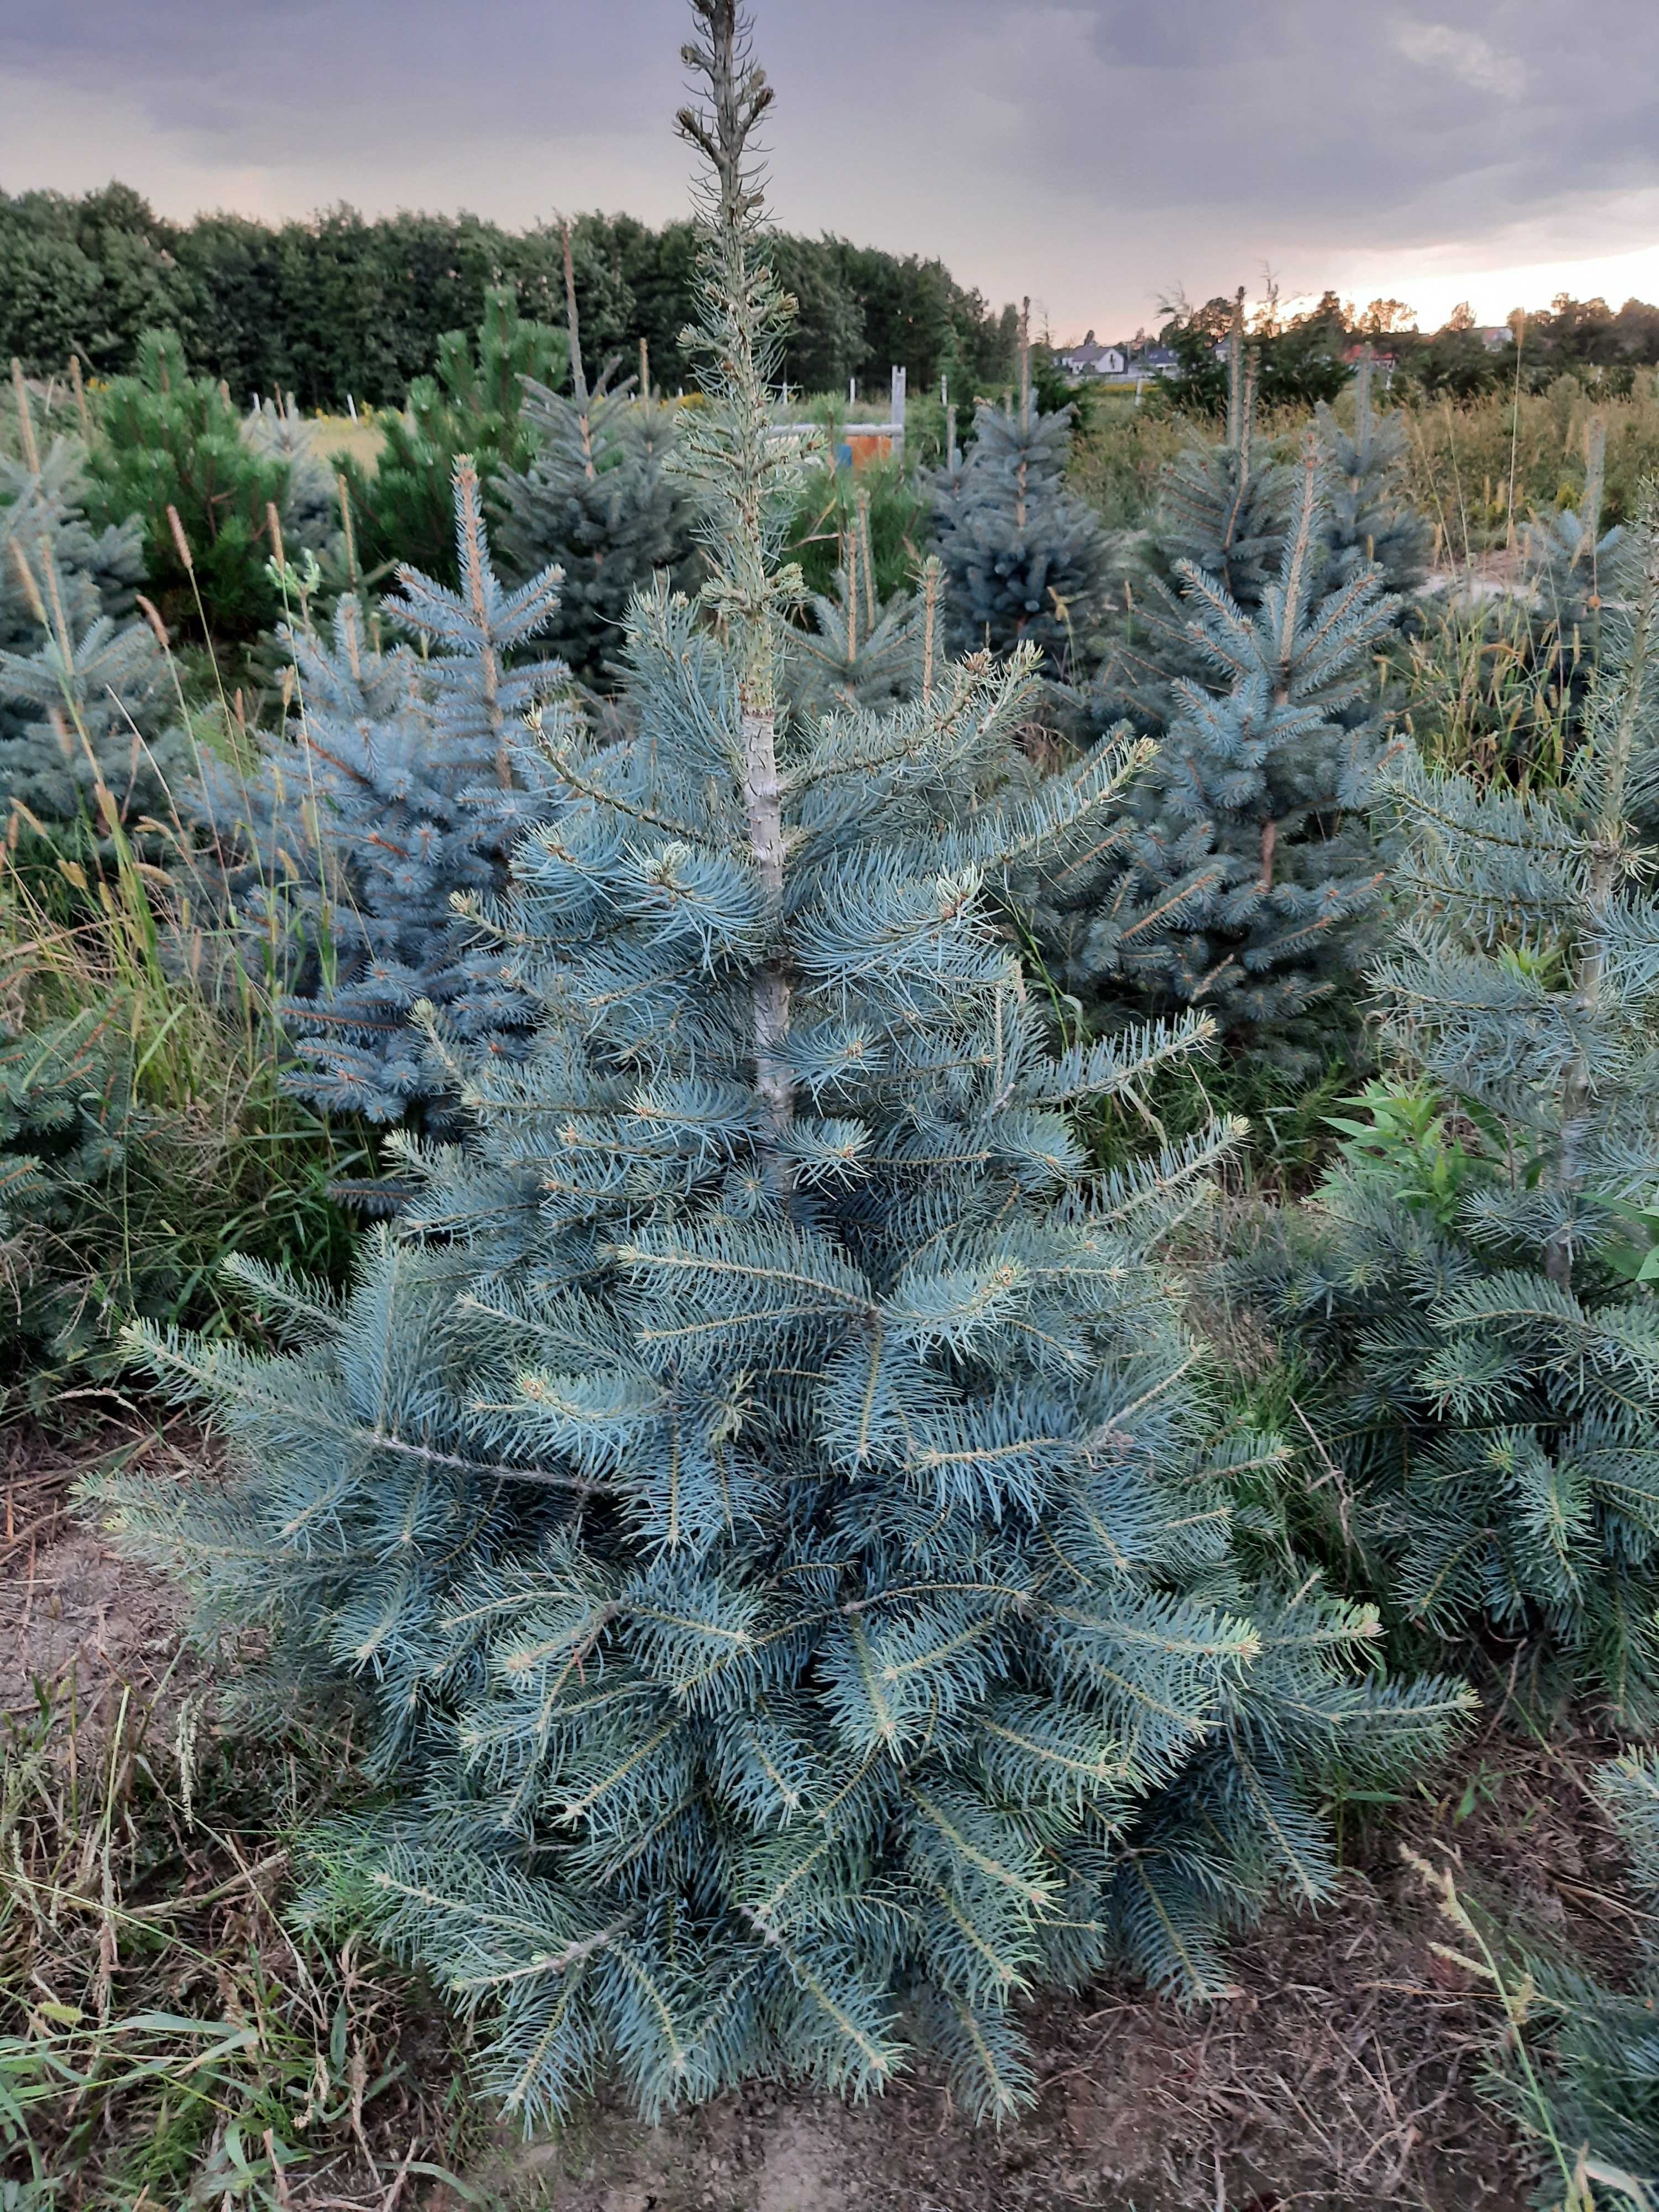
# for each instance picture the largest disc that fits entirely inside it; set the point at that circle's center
(1489, 690)
(204, 1154)
(170, 2033)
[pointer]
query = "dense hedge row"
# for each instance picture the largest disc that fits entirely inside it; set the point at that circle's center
(345, 304)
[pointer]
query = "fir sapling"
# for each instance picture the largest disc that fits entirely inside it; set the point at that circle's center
(1242, 879)
(397, 789)
(858, 649)
(1221, 510)
(310, 513)
(1568, 556)
(82, 1164)
(1025, 560)
(599, 493)
(1370, 519)
(89, 722)
(1604, 2052)
(761, 1490)
(1492, 1349)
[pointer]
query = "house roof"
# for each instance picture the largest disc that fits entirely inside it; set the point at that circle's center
(1089, 352)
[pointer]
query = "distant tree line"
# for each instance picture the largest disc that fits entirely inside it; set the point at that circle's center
(345, 304)
(1301, 358)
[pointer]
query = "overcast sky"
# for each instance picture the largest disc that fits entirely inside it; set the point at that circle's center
(1096, 155)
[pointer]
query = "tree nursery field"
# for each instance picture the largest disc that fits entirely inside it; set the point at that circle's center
(830, 1363)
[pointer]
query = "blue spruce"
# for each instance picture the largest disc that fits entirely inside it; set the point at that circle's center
(760, 1492)
(1568, 558)
(1371, 521)
(396, 791)
(1221, 511)
(857, 648)
(1025, 560)
(601, 495)
(1241, 878)
(90, 742)
(1604, 2051)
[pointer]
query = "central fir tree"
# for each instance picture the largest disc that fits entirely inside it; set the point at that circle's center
(758, 1488)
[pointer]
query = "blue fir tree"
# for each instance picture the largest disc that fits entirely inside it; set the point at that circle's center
(66, 1118)
(1477, 1282)
(1370, 519)
(760, 1490)
(396, 790)
(90, 735)
(1025, 560)
(1577, 2073)
(1604, 2049)
(1222, 506)
(311, 515)
(1567, 556)
(600, 495)
(1221, 510)
(1242, 879)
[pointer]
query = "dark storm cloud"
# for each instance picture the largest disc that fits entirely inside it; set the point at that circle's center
(1124, 144)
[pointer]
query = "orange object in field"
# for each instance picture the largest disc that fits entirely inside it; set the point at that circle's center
(865, 446)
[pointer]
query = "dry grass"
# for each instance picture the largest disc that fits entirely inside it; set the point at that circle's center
(1460, 458)
(167, 2037)
(339, 439)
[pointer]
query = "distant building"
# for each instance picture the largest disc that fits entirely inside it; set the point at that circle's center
(1090, 359)
(1495, 336)
(1158, 361)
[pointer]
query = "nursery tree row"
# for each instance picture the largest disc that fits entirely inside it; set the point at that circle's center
(803, 1564)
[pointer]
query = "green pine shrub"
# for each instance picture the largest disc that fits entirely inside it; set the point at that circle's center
(881, 504)
(168, 448)
(761, 1492)
(471, 405)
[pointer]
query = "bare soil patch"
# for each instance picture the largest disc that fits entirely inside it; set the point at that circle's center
(69, 1610)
